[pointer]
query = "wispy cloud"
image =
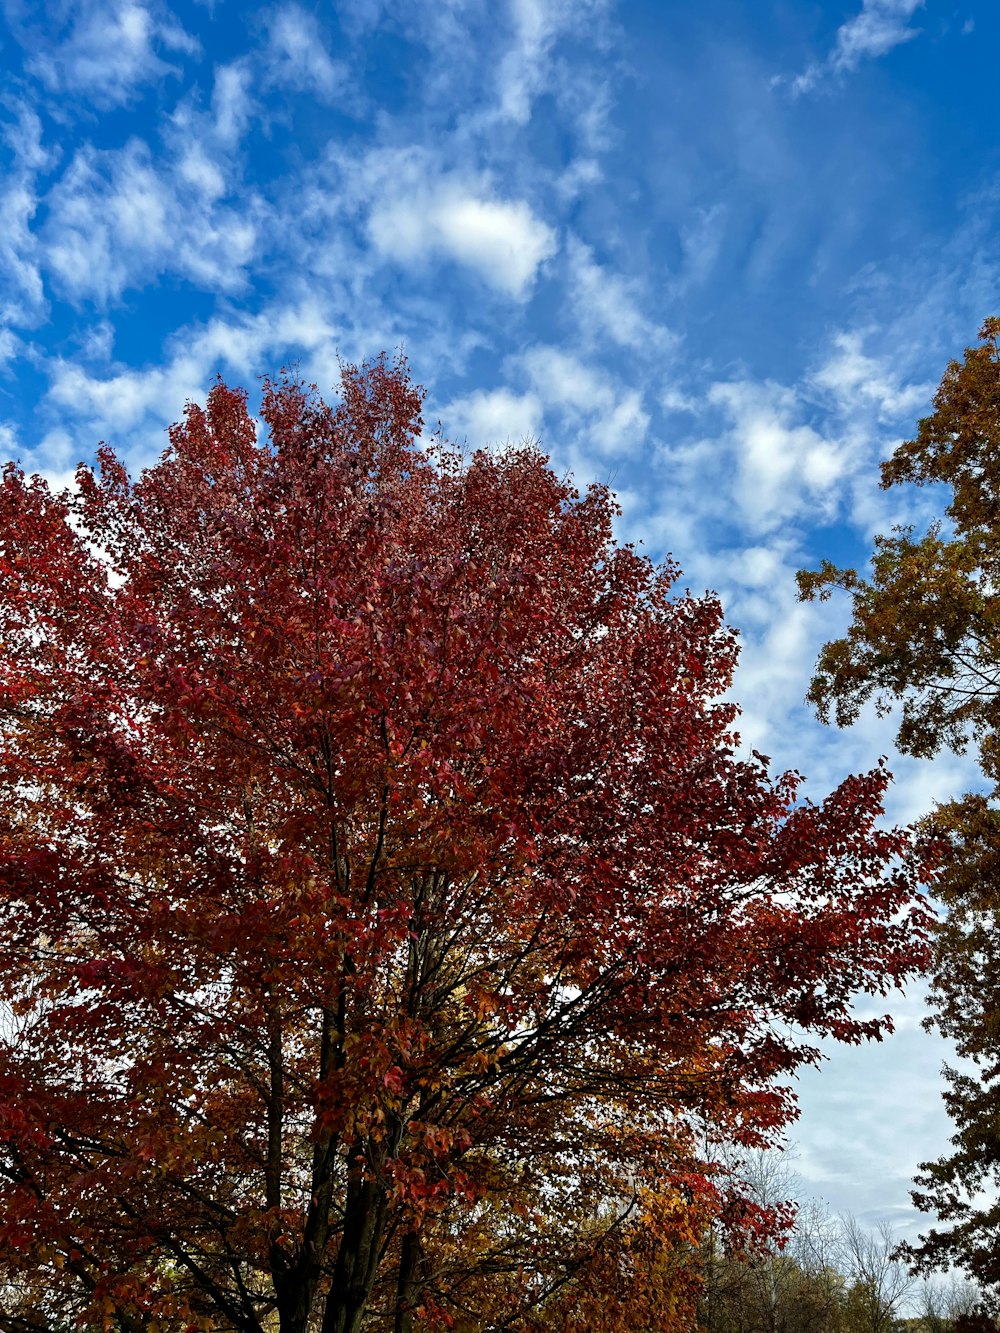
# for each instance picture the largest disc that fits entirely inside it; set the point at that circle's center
(525, 70)
(232, 101)
(881, 26)
(494, 416)
(296, 55)
(609, 305)
(137, 401)
(9, 347)
(780, 468)
(117, 217)
(109, 50)
(585, 418)
(858, 380)
(22, 297)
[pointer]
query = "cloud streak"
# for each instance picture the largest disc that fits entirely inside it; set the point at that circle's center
(297, 57)
(881, 26)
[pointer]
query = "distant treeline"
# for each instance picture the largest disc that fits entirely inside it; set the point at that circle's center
(832, 1276)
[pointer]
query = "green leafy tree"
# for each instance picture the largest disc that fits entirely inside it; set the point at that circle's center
(925, 638)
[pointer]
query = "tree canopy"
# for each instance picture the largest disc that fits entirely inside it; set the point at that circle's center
(925, 634)
(390, 926)
(926, 624)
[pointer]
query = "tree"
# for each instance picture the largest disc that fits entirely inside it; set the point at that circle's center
(974, 1321)
(943, 1303)
(925, 626)
(879, 1281)
(788, 1284)
(390, 928)
(925, 633)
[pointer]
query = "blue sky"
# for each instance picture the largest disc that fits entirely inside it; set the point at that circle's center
(717, 254)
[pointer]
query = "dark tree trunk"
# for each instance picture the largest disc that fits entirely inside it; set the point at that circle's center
(359, 1253)
(407, 1287)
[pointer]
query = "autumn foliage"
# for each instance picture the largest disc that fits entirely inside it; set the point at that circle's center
(925, 624)
(390, 929)
(924, 639)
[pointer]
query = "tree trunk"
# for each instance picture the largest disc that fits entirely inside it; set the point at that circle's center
(358, 1256)
(407, 1287)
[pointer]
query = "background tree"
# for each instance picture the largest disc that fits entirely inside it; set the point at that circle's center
(879, 1282)
(925, 625)
(944, 1301)
(388, 922)
(828, 1275)
(974, 1321)
(794, 1283)
(925, 634)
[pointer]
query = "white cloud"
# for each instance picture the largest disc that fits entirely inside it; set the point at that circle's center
(58, 453)
(701, 242)
(497, 416)
(784, 458)
(24, 138)
(501, 238)
(588, 417)
(782, 469)
(777, 461)
(575, 409)
(120, 402)
(881, 26)
(115, 219)
(884, 1100)
(876, 407)
(297, 57)
(521, 75)
(107, 222)
(202, 144)
(607, 418)
(197, 170)
(579, 176)
(10, 346)
(98, 341)
(416, 214)
(674, 400)
(133, 399)
(563, 381)
(606, 303)
(111, 49)
(231, 102)
(526, 68)
(859, 381)
(23, 300)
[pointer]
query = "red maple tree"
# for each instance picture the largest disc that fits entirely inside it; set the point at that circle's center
(389, 927)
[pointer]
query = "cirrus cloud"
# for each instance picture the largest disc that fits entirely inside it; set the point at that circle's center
(880, 26)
